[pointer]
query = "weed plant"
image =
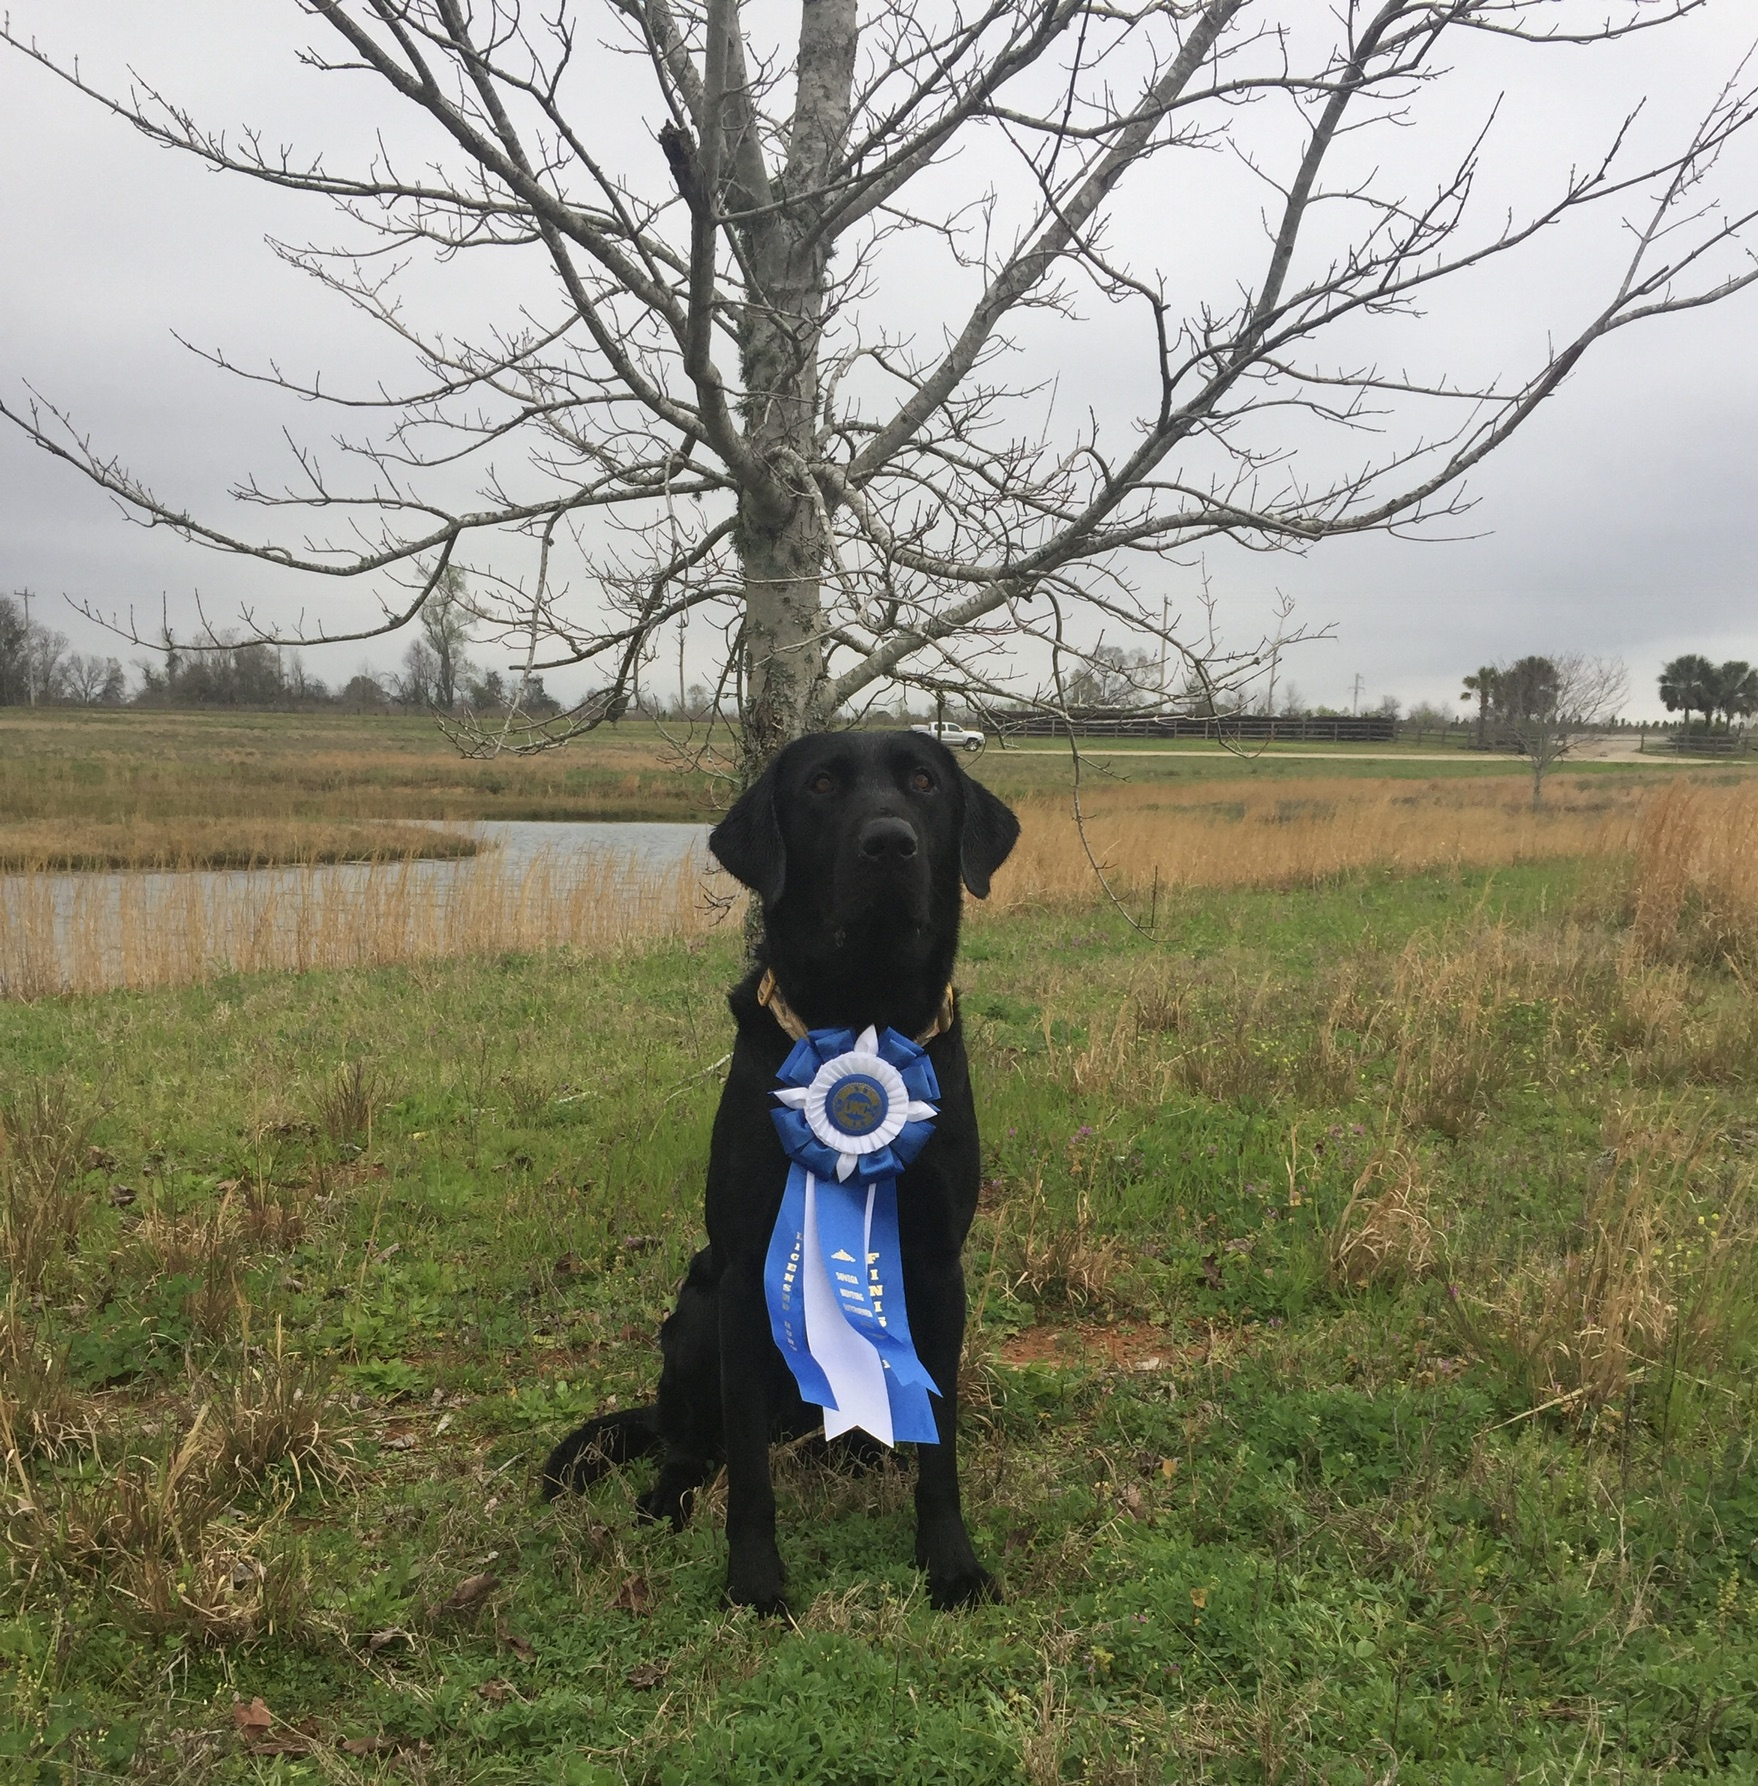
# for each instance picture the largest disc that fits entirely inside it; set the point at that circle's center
(1359, 1382)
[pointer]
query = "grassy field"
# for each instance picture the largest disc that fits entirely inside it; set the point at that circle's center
(104, 766)
(109, 768)
(1360, 1379)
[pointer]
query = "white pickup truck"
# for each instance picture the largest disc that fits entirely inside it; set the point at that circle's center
(954, 737)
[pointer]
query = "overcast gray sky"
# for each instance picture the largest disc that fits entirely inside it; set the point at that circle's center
(1618, 522)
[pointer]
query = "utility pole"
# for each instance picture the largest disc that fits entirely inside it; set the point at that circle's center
(1163, 613)
(1355, 697)
(30, 661)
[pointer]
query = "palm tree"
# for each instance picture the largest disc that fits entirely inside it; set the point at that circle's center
(1482, 687)
(1735, 690)
(1528, 689)
(1685, 683)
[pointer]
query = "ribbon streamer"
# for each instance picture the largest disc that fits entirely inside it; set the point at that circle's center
(851, 1114)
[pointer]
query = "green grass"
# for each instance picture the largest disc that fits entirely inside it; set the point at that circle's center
(1252, 1523)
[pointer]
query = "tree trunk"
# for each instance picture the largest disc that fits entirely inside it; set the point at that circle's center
(783, 556)
(783, 651)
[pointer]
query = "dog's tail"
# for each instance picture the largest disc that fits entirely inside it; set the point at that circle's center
(600, 1445)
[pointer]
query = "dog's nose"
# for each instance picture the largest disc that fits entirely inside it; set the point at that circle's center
(887, 840)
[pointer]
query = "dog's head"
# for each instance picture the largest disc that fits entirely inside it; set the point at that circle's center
(863, 835)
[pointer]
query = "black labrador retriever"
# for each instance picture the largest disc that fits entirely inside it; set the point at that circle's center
(856, 844)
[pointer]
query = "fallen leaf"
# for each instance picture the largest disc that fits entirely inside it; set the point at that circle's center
(1132, 1501)
(495, 1692)
(568, 1265)
(1168, 1467)
(281, 1745)
(400, 1442)
(472, 1590)
(649, 1674)
(369, 1745)
(390, 1634)
(634, 1595)
(523, 1648)
(251, 1718)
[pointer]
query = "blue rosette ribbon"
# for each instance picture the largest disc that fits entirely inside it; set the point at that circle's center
(852, 1112)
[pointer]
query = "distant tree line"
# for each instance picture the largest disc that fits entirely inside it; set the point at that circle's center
(38, 669)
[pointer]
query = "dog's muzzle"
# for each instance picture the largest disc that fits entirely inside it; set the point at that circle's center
(886, 841)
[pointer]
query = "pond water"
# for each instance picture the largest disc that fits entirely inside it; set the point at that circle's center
(533, 883)
(520, 841)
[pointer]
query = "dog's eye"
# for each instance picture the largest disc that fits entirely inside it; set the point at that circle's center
(922, 782)
(821, 783)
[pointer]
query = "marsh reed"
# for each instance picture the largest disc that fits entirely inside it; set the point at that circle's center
(1694, 881)
(1291, 834)
(86, 934)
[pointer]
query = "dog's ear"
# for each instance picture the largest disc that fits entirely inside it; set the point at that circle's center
(990, 832)
(748, 844)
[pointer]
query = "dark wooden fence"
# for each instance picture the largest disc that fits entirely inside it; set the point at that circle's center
(1368, 728)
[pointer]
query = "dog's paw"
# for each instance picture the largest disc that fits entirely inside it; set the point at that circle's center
(757, 1582)
(968, 1586)
(669, 1504)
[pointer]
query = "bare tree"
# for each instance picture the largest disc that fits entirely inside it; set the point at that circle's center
(445, 626)
(416, 687)
(705, 410)
(92, 681)
(1547, 705)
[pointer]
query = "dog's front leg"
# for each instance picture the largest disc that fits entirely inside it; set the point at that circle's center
(943, 1545)
(754, 1572)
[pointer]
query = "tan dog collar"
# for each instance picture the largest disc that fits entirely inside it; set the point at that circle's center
(769, 997)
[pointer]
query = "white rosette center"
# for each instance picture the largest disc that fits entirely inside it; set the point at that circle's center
(864, 1072)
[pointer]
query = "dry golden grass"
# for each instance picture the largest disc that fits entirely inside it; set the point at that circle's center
(1047, 1260)
(1295, 834)
(1229, 1034)
(1448, 1007)
(160, 1532)
(141, 930)
(74, 846)
(43, 1203)
(274, 1408)
(1658, 1279)
(1694, 886)
(40, 1410)
(1386, 1233)
(148, 1503)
